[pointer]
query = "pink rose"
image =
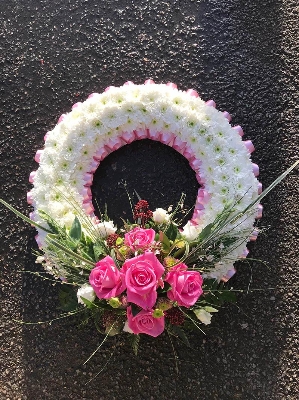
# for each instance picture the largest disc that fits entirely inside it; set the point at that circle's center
(144, 322)
(185, 285)
(107, 281)
(139, 238)
(142, 275)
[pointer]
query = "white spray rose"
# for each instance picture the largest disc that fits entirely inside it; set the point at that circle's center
(190, 232)
(203, 316)
(106, 228)
(160, 216)
(127, 328)
(87, 292)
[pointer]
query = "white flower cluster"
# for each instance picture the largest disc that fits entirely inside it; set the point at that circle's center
(107, 121)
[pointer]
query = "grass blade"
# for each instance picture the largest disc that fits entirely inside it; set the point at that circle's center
(24, 218)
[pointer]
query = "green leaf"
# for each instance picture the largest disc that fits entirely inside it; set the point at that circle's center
(228, 295)
(205, 232)
(87, 251)
(179, 333)
(164, 240)
(172, 232)
(70, 244)
(53, 225)
(89, 304)
(135, 339)
(76, 231)
(99, 250)
(67, 298)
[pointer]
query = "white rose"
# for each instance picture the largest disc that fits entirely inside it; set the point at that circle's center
(160, 216)
(190, 232)
(87, 292)
(203, 316)
(106, 228)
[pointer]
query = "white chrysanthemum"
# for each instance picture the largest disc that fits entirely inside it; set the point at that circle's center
(67, 219)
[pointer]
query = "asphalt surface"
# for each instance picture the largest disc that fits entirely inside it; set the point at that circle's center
(244, 55)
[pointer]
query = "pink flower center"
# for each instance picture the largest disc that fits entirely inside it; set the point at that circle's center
(191, 287)
(146, 322)
(142, 274)
(140, 238)
(99, 279)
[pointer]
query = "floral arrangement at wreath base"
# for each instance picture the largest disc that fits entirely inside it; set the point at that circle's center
(150, 274)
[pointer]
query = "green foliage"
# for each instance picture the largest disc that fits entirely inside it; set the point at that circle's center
(172, 231)
(53, 225)
(205, 233)
(88, 303)
(165, 241)
(59, 246)
(165, 289)
(135, 340)
(76, 231)
(67, 298)
(179, 333)
(99, 250)
(215, 294)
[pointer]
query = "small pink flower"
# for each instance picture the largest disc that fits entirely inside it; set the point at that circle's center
(142, 276)
(139, 238)
(107, 281)
(144, 322)
(185, 285)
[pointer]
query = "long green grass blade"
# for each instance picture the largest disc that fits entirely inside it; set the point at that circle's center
(272, 186)
(24, 218)
(60, 246)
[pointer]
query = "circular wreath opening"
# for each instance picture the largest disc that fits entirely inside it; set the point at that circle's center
(152, 170)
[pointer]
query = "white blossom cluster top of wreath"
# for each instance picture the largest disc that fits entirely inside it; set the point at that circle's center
(104, 122)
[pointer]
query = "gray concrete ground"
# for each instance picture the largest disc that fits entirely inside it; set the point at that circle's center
(244, 55)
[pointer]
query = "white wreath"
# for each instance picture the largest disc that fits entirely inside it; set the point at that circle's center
(105, 122)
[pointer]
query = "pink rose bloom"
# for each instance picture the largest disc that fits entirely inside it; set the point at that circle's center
(107, 281)
(144, 322)
(185, 285)
(142, 276)
(139, 238)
